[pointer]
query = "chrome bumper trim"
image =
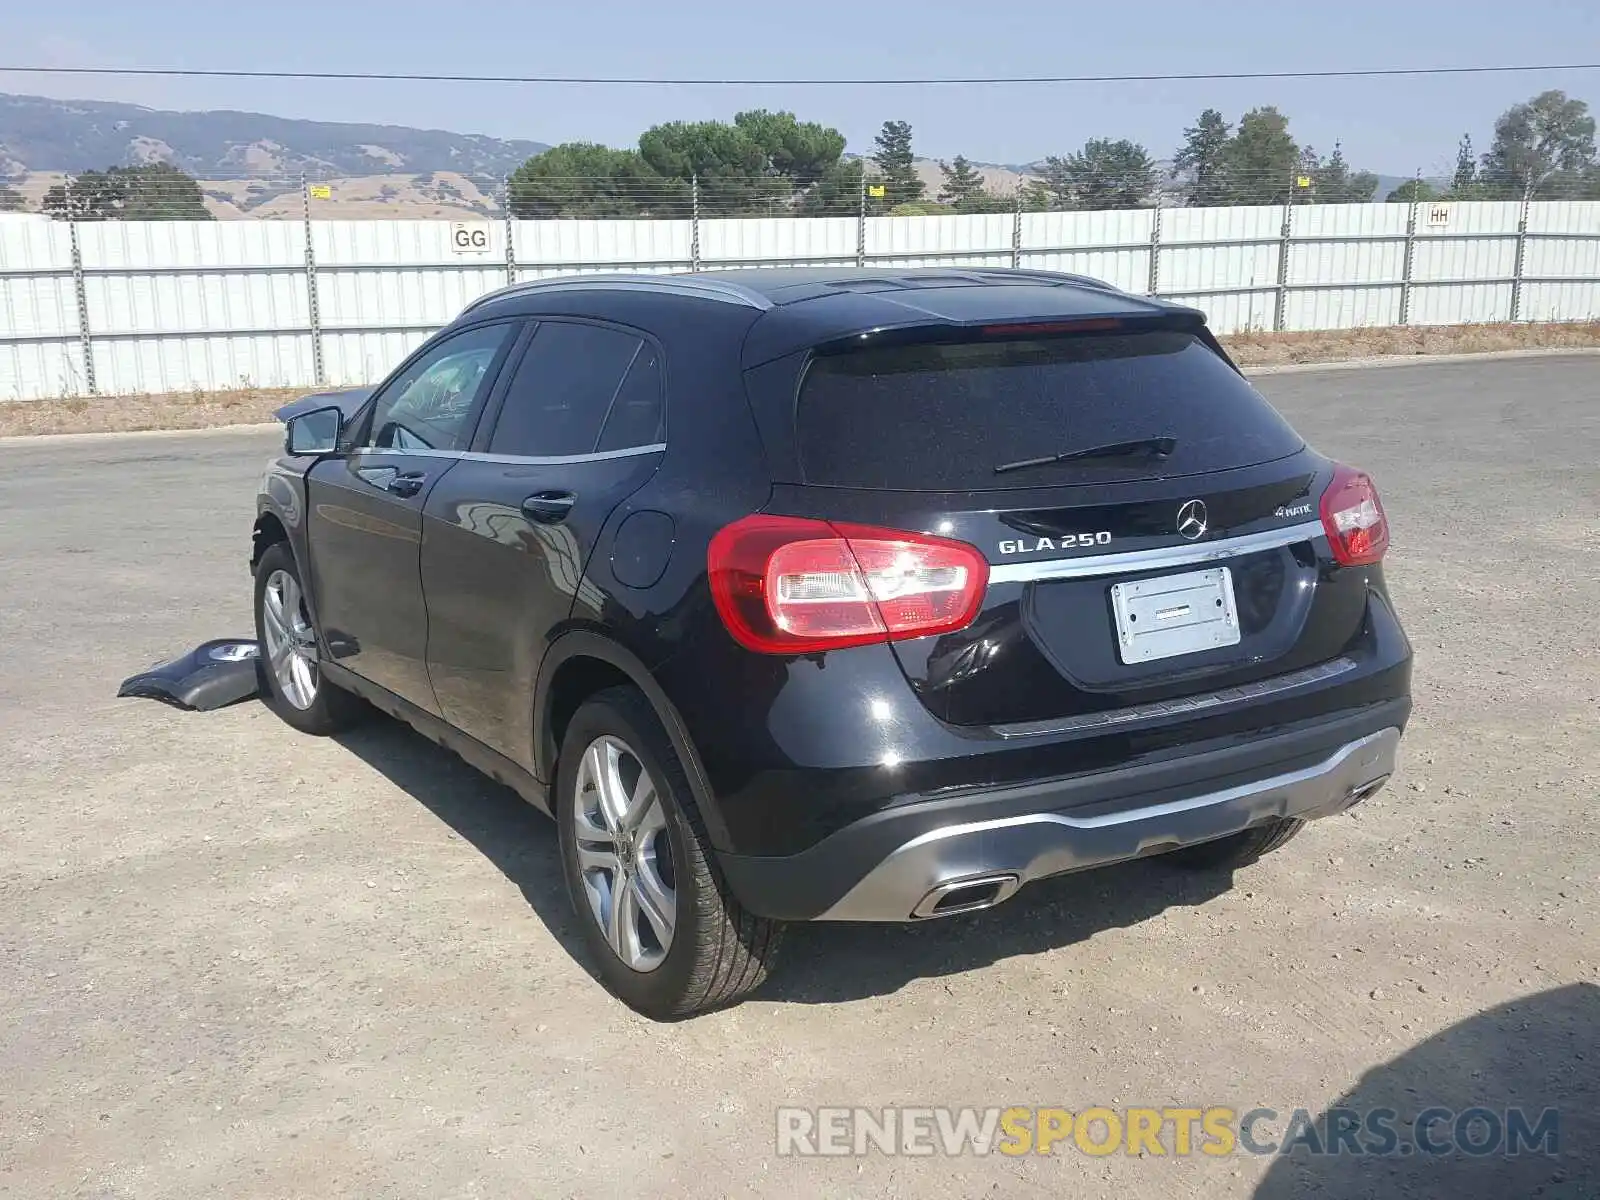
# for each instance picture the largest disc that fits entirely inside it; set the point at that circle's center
(1158, 559)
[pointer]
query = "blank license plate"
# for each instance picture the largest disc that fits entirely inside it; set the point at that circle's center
(1175, 614)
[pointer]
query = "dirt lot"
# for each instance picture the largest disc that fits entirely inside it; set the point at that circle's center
(240, 962)
(250, 405)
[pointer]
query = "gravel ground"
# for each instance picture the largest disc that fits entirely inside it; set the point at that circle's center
(240, 962)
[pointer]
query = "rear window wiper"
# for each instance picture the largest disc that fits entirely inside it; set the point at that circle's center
(1155, 447)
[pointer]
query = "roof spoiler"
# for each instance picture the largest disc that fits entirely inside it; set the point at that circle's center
(1169, 316)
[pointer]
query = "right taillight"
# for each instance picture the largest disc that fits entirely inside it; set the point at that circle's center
(1352, 516)
(794, 585)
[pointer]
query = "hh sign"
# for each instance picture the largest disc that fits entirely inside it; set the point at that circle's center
(470, 237)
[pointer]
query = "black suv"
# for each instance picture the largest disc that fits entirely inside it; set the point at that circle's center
(836, 594)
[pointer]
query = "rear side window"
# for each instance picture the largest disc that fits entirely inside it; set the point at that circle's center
(635, 416)
(563, 390)
(941, 417)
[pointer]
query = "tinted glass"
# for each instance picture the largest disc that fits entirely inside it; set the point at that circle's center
(635, 416)
(942, 417)
(427, 407)
(562, 390)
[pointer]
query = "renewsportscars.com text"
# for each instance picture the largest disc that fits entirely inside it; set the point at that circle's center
(1215, 1131)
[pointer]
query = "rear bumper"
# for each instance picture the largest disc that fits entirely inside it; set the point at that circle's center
(976, 865)
(972, 851)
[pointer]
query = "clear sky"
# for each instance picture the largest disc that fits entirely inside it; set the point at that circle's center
(1388, 125)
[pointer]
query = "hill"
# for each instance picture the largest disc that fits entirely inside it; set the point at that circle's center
(42, 135)
(249, 164)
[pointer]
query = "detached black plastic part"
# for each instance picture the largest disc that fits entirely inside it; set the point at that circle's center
(212, 675)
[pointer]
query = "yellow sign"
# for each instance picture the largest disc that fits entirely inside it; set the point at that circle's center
(1303, 181)
(877, 191)
(321, 191)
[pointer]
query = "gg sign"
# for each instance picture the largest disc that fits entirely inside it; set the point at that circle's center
(469, 237)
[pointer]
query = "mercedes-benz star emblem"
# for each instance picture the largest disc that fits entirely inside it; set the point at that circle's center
(1192, 519)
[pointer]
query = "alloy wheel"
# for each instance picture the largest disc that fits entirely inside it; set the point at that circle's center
(624, 853)
(291, 645)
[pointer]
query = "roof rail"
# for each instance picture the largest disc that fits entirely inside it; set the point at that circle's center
(678, 285)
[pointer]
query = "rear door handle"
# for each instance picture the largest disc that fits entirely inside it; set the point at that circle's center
(547, 508)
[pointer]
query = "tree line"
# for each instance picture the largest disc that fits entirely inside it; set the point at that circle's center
(154, 191)
(766, 163)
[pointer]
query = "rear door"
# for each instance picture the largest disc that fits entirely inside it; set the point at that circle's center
(578, 427)
(365, 508)
(1109, 587)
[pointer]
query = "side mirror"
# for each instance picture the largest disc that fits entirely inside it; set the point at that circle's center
(314, 432)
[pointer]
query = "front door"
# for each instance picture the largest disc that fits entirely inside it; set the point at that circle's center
(365, 508)
(509, 530)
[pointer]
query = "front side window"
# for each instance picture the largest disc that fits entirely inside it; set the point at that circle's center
(429, 407)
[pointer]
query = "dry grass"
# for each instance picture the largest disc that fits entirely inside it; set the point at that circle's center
(439, 195)
(1343, 345)
(246, 406)
(121, 414)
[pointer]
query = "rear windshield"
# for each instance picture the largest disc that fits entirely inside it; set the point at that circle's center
(942, 416)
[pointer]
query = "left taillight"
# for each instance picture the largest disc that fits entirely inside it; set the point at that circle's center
(793, 585)
(1353, 518)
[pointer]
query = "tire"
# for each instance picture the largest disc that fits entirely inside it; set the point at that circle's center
(1237, 849)
(714, 953)
(301, 696)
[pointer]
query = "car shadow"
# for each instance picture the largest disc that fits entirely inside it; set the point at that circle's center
(823, 963)
(515, 837)
(1538, 1053)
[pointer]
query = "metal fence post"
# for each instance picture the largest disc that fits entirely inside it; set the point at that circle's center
(1155, 250)
(1285, 235)
(1016, 229)
(694, 222)
(85, 343)
(1522, 250)
(511, 239)
(317, 372)
(1411, 251)
(861, 221)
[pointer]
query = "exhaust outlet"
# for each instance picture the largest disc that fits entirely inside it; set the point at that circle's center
(966, 895)
(1367, 790)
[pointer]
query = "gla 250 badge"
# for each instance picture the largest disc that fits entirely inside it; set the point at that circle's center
(1067, 541)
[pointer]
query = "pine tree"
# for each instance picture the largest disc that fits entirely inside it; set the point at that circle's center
(1336, 183)
(1104, 174)
(1465, 181)
(961, 180)
(1260, 159)
(1202, 159)
(897, 164)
